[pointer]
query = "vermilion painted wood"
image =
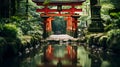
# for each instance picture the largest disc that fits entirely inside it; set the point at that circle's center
(55, 10)
(57, 2)
(71, 23)
(52, 4)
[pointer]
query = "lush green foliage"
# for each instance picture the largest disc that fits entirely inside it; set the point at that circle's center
(115, 3)
(46, 1)
(10, 30)
(114, 40)
(59, 25)
(13, 29)
(111, 19)
(9, 39)
(116, 19)
(114, 22)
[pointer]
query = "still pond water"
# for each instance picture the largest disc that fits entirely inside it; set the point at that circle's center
(85, 59)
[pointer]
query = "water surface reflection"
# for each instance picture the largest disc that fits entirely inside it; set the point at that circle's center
(85, 59)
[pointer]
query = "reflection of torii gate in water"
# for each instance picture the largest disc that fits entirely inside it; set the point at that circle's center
(71, 16)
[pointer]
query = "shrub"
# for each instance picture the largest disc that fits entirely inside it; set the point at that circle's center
(114, 40)
(9, 46)
(10, 39)
(109, 27)
(9, 30)
(115, 15)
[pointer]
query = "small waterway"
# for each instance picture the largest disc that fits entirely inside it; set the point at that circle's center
(85, 59)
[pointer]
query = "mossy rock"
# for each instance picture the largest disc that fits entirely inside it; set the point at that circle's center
(103, 41)
(93, 39)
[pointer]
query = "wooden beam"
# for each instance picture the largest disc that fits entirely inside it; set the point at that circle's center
(52, 14)
(55, 10)
(53, 4)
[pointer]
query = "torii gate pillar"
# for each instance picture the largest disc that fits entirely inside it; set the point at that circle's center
(68, 25)
(75, 26)
(45, 34)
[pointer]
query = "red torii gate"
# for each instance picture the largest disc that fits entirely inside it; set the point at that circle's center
(48, 24)
(71, 16)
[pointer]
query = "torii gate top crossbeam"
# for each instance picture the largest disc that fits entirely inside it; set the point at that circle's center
(60, 1)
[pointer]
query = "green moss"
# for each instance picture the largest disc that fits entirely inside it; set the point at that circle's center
(103, 41)
(46, 2)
